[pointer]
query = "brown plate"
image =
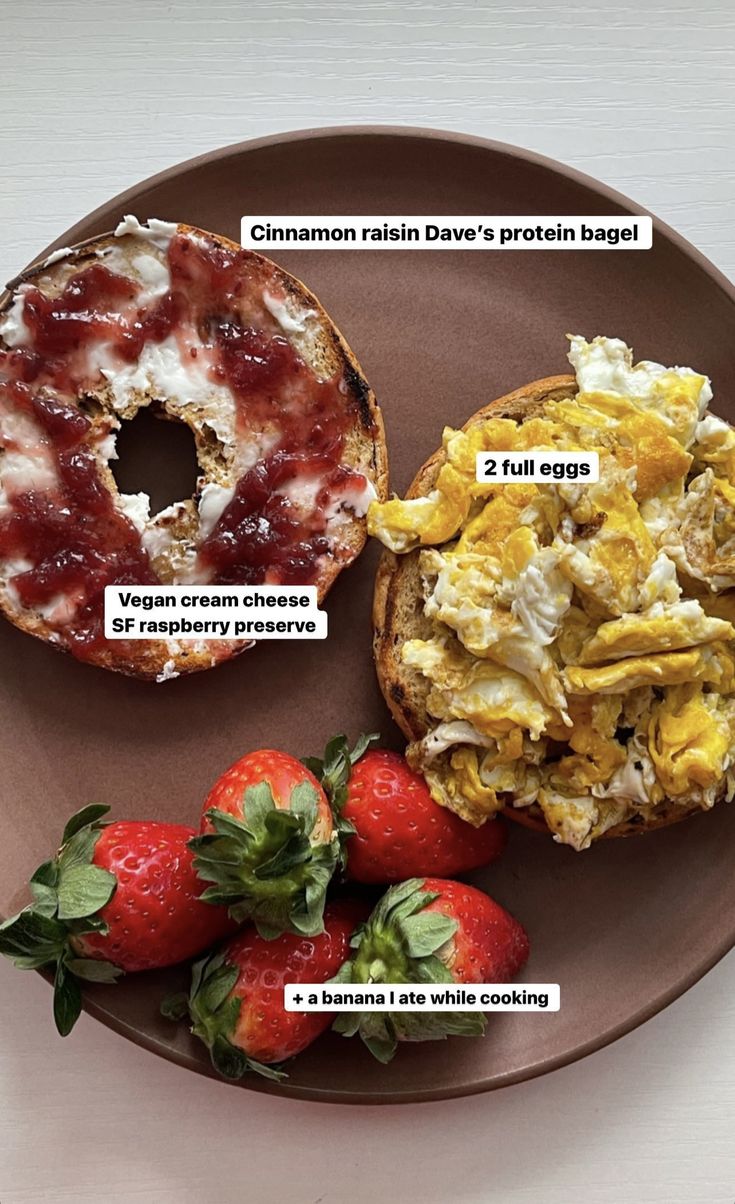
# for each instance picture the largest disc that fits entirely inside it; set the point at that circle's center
(625, 927)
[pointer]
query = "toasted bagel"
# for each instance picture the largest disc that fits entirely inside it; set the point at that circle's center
(231, 345)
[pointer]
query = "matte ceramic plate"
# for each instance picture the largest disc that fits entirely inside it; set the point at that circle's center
(625, 927)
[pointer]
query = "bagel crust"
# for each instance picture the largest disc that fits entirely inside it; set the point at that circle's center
(398, 617)
(289, 437)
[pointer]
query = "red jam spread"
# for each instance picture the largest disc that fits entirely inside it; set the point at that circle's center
(72, 534)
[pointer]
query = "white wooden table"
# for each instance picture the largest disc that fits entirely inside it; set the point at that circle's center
(96, 96)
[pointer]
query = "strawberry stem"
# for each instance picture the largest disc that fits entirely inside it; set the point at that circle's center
(214, 1012)
(333, 772)
(402, 943)
(68, 894)
(264, 867)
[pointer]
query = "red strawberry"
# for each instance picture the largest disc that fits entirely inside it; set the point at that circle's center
(268, 844)
(489, 944)
(155, 917)
(116, 897)
(390, 825)
(236, 1002)
(430, 930)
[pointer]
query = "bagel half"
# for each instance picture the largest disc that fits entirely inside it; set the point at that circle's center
(177, 375)
(398, 616)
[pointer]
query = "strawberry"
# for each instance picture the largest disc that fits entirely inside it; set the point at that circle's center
(430, 930)
(390, 826)
(116, 897)
(268, 844)
(236, 1001)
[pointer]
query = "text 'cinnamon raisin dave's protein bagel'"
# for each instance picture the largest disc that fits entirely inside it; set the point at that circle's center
(289, 438)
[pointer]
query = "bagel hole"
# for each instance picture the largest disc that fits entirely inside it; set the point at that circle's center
(157, 456)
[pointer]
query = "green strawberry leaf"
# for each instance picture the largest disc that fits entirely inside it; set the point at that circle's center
(286, 860)
(232, 1063)
(47, 874)
(362, 744)
(215, 989)
(83, 890)
(272, 1072)
(400, 902)
(270, 930)
(92, 969)
(30, 934)
(334, 768)
(333, 772)
(45, 900)
(382, 1047)
(463, 1024)
(426, 932)
(314, 765)
(198, 969)
(258, 804)
(31, 963)
(347, 1024)
(78, 850)
(212, 981)
(224, 825)
(304, 803)
(227, 1059)
(67, 1000)
(435, 1026)
(226, 894)
(83, 819)
(175, 1006)
(209, 1003)
(431, 969)
(344, 974)
(87, 924)
(43, 888)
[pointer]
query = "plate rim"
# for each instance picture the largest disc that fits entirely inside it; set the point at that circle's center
(419, 132)
(665, 998)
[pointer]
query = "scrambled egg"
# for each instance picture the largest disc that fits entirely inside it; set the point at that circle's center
(582, 657)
